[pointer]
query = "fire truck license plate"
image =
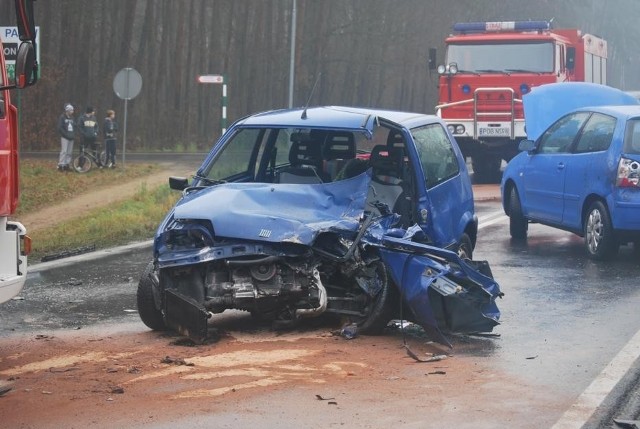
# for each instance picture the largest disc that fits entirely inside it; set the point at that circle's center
(494, 131)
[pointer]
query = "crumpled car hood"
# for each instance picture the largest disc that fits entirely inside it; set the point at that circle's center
(547, 103)
(278, 212)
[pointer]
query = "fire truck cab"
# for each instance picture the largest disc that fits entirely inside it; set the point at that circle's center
(14, 242)
(490, 66)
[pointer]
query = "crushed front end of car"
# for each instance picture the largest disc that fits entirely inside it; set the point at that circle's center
(285, 252)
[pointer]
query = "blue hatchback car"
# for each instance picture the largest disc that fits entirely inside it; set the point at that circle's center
(298, 213)
(580, 170)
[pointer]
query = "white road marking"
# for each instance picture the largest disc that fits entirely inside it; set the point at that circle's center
(491, 218)
(587, 403)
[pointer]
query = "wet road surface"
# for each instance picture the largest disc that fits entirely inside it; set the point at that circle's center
(564, 317)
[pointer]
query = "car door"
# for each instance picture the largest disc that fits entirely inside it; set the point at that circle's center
(545, 172)
(588, 164)
(449, 194)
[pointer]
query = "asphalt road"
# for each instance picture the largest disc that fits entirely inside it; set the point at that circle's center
(567, 328)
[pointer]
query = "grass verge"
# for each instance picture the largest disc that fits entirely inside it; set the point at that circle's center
(42, 185)
(134, 219)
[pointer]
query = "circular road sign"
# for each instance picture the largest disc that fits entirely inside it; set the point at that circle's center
(127, 83)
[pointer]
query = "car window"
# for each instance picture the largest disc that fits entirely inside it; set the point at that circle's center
(559, 137)
(238, 157)
(597, 134)
(632, 138)
(436, 153)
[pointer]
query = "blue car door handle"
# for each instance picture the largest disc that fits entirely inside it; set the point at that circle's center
(561, 166)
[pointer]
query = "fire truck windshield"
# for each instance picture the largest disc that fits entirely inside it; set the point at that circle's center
(502, 57)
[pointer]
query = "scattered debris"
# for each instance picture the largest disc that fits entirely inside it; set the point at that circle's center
(332, 403)
(18, 298)
(117, 389)
(130, 310)
(349, 331)
(321, 398)
(531, 357)
(5, 389)
(112, 370)
(133, 370)
(41, 337)
(67, 369)
(437, 373)
(46, 392)
(484, 335)
(432, 358)
(627, 424)
(184, 341)
(175, 361)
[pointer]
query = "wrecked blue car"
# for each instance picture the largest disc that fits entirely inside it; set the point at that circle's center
(364, 214)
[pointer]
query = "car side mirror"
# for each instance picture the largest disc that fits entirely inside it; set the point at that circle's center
(527, 146)
(571, 58)
(432, 59)
(26, 66)
(178, 183)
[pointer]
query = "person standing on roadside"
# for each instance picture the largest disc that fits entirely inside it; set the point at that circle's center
(110, 129)
(88, 126)
(66, 129)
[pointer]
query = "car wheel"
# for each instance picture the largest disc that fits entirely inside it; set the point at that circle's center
(598, 232)
(149, 313)
(465, 248)
(518, 225)
(376, 310)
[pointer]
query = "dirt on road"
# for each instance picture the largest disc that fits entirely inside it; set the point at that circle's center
(127, 376)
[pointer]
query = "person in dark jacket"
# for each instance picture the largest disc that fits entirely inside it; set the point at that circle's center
(88, 126)
(66, 129)
(110, 129)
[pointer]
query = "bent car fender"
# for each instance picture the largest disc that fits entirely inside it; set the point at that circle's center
(429, 277)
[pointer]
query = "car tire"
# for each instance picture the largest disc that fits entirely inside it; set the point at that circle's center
(378, 309)
(518, 225)
(599, 238)
(149, 313)
(465, 247)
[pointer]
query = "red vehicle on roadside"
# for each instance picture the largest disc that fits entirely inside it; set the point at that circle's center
(489, 66)
(14, 242)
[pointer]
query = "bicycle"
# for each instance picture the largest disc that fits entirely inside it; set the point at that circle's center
(86, 159)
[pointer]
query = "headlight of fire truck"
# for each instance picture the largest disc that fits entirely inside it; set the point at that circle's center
(450, 69)
(456, 129)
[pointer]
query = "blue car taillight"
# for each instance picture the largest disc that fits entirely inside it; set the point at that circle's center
(628, 173)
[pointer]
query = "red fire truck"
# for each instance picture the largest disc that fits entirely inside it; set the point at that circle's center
(14, 242)
(489, 66)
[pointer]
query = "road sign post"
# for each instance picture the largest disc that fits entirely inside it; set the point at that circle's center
(217, 79)
(127, 85)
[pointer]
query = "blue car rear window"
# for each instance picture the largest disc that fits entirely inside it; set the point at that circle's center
(632, 138)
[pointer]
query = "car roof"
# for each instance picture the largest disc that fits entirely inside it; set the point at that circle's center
(622, 112)
(353, 118)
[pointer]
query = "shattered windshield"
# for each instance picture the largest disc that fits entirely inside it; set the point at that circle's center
(502, 57)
